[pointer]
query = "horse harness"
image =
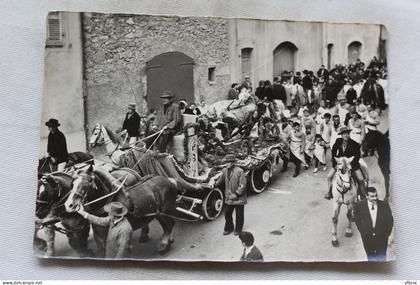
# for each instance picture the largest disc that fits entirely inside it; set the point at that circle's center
(342, 193)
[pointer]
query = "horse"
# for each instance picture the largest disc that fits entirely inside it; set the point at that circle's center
(344, 192)
(53, 189)
(154, 197)
(102, 137)
(380, 143)
(45, 164)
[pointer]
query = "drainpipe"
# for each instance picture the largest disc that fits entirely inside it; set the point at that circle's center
(84, 87)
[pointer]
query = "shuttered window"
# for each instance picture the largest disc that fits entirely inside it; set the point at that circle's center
(54, 30)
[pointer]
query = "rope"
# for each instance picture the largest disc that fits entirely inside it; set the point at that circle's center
(107, 195)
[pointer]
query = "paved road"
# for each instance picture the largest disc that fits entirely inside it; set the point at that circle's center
(291, 221)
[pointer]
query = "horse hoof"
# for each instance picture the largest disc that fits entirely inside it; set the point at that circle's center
(164, 249)
(334, 243)
(348, 235)
(143, 239)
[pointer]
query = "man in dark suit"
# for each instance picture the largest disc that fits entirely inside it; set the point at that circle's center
(132, 124)
(374, 220)
(279, 92)
(57, 146)
(346, 147)
(251, 252)
(322, 72)
(233, 91)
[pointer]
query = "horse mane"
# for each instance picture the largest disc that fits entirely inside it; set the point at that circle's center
(63, 179)
(102, 178)
(111, 135)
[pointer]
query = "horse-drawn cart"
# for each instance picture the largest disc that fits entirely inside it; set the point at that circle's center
(195, 167)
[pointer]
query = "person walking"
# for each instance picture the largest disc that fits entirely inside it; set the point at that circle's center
(234, 181)
(374, 221)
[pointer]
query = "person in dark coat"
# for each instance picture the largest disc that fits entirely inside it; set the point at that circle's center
(168, 118)
(57, 146)
(351, 95)
(132, 124)
(259, 92)
(279, 92)
(268, 91)
(331, 89)
(374, 221)
(346, 147)
(192, 110)
(322, 72)
(251, 252)
(234, 181)
(233, 91)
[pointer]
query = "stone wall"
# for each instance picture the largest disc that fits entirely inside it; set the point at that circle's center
(117, 48)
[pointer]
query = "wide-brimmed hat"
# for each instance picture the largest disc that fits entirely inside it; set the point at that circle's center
(116, 209)
(344, 130)
(229, 158)
(52, 123)
(132, 106)
(167, 94)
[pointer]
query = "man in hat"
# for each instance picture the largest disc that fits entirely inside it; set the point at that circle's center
(374, 220)
(251, 252)
(119, 232)
(131, 124)
(168, 119)
(346, 147)
(234, 181)
(57, 146)
(247, 82)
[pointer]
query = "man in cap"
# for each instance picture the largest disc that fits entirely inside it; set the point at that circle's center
(168, 119)
(251, 252)
(131, 124)
(247, 82)
(57, 146)
(119, 232)
(234, 181)
(346, 147)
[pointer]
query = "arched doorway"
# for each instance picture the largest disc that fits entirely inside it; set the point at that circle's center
(353, 52)
(284, 58)
(171, 71)
(246, 62)
(330, 53)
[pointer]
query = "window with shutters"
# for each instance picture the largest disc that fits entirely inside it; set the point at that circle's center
(54, 30)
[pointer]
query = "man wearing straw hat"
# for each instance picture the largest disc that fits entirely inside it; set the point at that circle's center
(119, 232)
(57, 146)
(131, 124)
(168, 120)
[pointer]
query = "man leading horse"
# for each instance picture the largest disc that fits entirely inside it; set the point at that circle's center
(346, 147)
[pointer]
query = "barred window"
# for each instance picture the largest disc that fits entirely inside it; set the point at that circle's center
(54, 30)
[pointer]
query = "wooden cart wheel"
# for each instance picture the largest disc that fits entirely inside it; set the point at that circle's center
(260, 177)
(213, 204)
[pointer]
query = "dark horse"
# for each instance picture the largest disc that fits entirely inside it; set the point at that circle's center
(53, 189)
(380, 143)
(46, 165)
(153, 197)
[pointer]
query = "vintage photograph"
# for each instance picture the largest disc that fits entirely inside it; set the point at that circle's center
(213, 139)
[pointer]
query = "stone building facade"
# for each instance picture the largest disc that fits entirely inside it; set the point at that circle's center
(110, 60)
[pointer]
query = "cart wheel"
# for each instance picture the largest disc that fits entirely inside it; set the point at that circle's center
(213, 204)
(260, 177)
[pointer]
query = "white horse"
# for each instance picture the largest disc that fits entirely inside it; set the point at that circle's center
(344, 192)
(102, 137)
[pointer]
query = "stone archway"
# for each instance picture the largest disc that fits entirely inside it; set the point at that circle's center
(284, 58)
(171, 71)
(354, 51)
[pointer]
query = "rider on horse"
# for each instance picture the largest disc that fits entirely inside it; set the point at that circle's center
(346, 147)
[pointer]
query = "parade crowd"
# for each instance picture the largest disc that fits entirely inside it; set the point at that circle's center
(313, 113)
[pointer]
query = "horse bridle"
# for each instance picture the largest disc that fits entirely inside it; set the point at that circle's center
(342, 185)
(83, 196)
(55, 204)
